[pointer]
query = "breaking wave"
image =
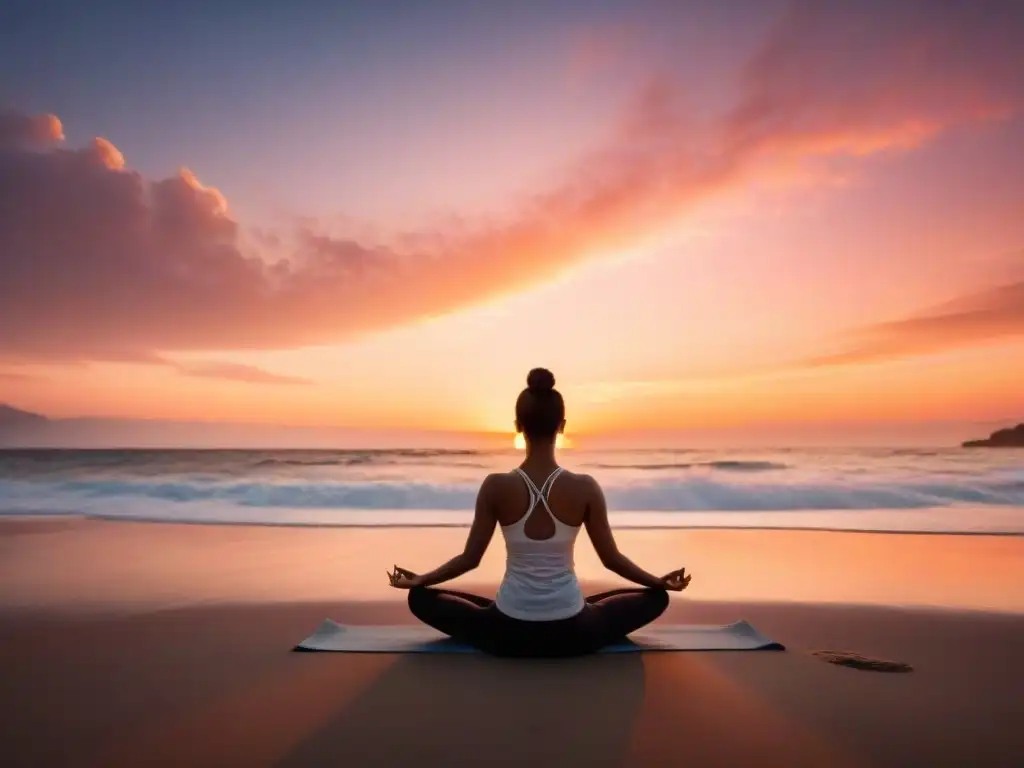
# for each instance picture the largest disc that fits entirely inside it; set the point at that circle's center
(726, 466)
(668, 495)
(881, 490)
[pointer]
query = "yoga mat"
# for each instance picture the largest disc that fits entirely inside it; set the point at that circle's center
(413, 638)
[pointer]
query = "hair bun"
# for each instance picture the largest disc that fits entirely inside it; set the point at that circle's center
(540, 380)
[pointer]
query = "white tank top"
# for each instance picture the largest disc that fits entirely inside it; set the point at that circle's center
(540, 578)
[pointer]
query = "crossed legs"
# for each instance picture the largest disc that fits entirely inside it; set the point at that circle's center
(623, 611)
(606, 618)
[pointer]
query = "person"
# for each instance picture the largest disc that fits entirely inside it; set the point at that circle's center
(539, 609)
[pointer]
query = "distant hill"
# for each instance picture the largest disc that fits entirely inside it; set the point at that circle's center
(1012, 437)
(15, 418)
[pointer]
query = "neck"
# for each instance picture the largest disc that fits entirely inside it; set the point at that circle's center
(540, 451)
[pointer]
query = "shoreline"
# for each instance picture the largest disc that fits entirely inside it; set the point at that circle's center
(154, 520)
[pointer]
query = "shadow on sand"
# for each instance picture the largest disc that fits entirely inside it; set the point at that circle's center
(476, 710)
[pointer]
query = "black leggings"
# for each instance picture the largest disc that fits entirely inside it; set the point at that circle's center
(606, 618)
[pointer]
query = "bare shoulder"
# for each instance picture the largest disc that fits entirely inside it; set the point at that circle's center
(499, 482)
(581, 483)
(495, 480)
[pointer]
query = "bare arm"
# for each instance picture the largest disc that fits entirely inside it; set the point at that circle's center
(479, 538)
(600, 533)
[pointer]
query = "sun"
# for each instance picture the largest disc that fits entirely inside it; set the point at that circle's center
(561, 441)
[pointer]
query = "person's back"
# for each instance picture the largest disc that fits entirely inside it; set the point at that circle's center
(540, 526)
(540, 508)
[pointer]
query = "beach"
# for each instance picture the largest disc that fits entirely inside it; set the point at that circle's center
(129, 643)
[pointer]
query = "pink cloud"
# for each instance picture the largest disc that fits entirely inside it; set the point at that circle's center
(250, 374)
(17, 129)
(16, 376)
(97, 262)
(984, 316)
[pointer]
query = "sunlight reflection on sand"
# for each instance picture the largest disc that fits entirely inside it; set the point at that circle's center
(105, 563)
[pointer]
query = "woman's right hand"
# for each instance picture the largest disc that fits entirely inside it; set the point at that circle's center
(676, 581)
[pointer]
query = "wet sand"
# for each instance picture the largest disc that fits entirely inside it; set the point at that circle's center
(148, 644)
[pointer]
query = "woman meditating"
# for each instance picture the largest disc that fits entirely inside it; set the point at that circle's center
(540, 609)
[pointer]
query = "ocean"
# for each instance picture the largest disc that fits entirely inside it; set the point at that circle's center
(893, 490)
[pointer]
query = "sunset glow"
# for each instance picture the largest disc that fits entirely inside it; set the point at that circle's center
(560, 442)
(817, 221)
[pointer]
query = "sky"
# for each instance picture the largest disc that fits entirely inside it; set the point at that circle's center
(759, 216)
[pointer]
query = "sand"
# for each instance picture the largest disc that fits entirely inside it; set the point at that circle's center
(151, 644)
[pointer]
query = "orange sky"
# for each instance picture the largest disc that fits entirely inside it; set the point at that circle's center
(784, 231)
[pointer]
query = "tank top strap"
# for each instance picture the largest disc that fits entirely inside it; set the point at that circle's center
(531, 489)
(540, 494)
(545, 490)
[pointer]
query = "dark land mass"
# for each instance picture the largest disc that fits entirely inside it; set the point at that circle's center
(1012, 437)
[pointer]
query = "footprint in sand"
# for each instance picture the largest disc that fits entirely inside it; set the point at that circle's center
(856, 661)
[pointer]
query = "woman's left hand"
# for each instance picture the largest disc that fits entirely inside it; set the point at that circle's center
(403, 579)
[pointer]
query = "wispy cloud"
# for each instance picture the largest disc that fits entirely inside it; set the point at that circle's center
(97, 261)
(213, 369)
(16, 376)
(972, 319)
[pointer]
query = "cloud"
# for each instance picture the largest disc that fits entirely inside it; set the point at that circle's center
(98, 262)
(976, 318)
(18, 130)
(16, 376)
(213, 369)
